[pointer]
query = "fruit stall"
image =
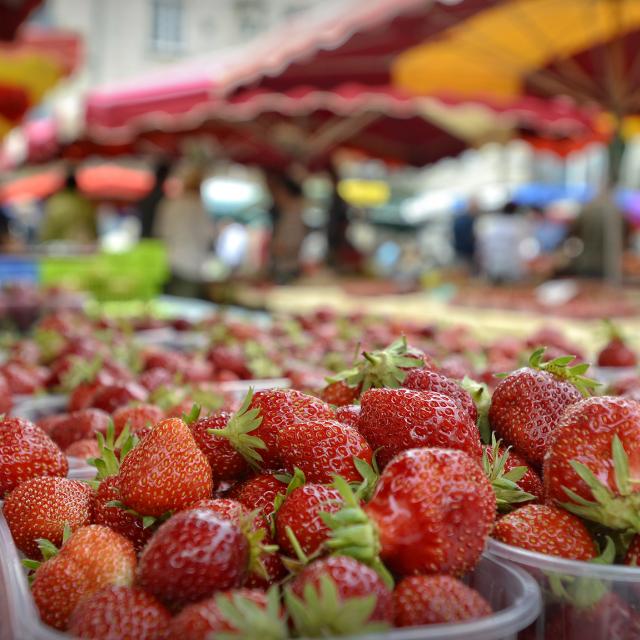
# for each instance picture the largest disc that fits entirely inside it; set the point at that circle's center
(175, 469)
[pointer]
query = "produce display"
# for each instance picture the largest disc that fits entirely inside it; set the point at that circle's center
(172, 494)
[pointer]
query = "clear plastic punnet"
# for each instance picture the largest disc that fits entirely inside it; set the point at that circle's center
(580, 600)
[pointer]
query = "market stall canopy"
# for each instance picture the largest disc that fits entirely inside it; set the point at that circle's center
(13, 13)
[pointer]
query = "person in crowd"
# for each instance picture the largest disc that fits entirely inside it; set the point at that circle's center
(148, 206)
(288, 229)
(69, 216)
(464, 235)
(188, 232)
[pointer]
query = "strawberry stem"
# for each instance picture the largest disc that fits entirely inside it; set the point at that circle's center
(560, 368)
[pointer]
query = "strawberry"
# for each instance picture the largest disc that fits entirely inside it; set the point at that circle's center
(166, 471)
(427, 380)
(23, 378)
(41, 507)
(26, 451)
(298, 522)
(81, 397)
(154, 378)
(349, 414)
(548, 530)
(172, 361)
(351, 580)
(322, 449)
(192, 555)
(115, 613)
(593, 458)
(48, 423)
(259, 492)
(393, 420)
(6, 402)
(616, 353)
(423, 600)
(441, 496)
(140, 418)
(79, 425)
(113, 396)
(340, 394)
(632, 556)
(241, 613)
(527, 404)
(84, 449)
(224, 508)
(93, 557)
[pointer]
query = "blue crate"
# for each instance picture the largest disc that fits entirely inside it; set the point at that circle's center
(18, 269)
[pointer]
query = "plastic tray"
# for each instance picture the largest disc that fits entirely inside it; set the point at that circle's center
(621, 582)
(513, 594)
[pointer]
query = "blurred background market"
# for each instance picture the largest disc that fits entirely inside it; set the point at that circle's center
(461, 160)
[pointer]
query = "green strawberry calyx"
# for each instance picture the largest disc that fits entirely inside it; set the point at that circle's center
(385, 368)
(255, 536)
(248, 619)
(112, 452)
(617, 509)
(481, 397)
(238, 432)
(560, 368)
(81, 371)
(505, 485)
(48, 551)
(321, 612)
(352, 533)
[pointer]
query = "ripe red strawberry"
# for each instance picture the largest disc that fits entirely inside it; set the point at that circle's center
(632, 556)
(192, 555)
(548, 530)
(81, 397)
(26, 451)
(83, 449)
(440, 496)
(349, 415)
(339, 393)
(230, 358)
(113, 396)
(527, 404)
(48, 423)
(115, 613)
(225, 508)
(591, 459)
(300, 512)
(154, 378)
(279, 408)
(616, 353)
(323, 449)
(165, 472)
(352, 579)
(393, 420)
(243, 613)
(423, 600)
(6, 402)
(23, 378)
(93, 557)
(260, 493)
(40, 508)
(172, 361)
(428, 380)
(140, 418)
(79, 425)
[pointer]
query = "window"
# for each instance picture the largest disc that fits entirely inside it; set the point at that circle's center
(166, 26)
(251, 16)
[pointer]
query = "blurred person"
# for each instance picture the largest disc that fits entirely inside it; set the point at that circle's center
(187, 230)
(69, 216)
(500, 238)
(288, 227)
(148, 206)
(341, 254)
(464, 234)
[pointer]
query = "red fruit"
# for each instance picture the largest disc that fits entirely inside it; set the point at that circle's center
(40, 508)
(172, 361)
(352, 580)
(26, 451)
(340, 393)
(227, 464)
(23, 378)
(530, 482)
(527, 404)
(113, 396)
(428, 380)
(116, 613)
(204, 620)
(126, 524)
(141, 418)
(394, 420)
(155, 378)
(260, 493)
(422, 600)
(79, 425)
(602, 436)
(323, 449)
(165, 472)
(48, 423)
(84, 449)
(230, 358)
(632, 557)
(6, 402)
(94, 557)
(301, 513)
(224, 508)
(616, 353)
(82, 396)
(192, 555)
(548, 530)
(278, 409)
(349, 415)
